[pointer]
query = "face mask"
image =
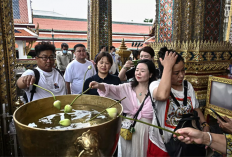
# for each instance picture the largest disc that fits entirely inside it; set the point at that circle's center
(65, 51)
(113, 53)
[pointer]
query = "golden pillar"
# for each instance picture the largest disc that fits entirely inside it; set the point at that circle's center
(99, 25)
(7, 75)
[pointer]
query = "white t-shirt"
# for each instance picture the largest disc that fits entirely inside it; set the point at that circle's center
(52, 81)
(75, 73)
(169, 114)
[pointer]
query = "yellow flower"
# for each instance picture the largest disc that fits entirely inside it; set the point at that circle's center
(89, 67)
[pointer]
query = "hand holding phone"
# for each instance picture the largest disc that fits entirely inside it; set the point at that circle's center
(222, 119)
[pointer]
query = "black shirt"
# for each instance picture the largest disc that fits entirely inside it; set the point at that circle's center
(130, 73)
(109, 79)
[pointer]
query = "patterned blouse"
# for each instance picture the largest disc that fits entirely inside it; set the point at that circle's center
(229, 145)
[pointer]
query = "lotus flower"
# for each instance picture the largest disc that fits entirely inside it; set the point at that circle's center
(89, 68)
(65, 122)
(67, 108)
(57, 104)
(112, 112)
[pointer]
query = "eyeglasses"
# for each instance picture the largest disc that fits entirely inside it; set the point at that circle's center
(51, 58)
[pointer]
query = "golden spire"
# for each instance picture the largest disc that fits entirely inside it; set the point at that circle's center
(123, 45)
(123, 52)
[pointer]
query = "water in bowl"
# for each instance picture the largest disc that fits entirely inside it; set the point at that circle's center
(79, 115)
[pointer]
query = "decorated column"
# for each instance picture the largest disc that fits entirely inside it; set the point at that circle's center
(7, 76)
(194, 28)
(99, 25)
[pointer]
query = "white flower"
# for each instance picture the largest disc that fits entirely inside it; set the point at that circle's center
(89, 67)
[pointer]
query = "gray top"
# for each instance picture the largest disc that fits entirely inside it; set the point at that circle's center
(63, 60)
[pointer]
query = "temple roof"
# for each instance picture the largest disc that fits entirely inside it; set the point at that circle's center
(24, 34)
(74, 30)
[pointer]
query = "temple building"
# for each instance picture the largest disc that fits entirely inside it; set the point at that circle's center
(199, 30)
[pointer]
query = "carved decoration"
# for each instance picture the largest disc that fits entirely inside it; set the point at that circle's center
(197, 81)
(30, 43)
(123, 52)
(201, 95)
(87, 144)
(36, 31)
(99, 25)
(7, 75)
(7, 47)
(222, 111)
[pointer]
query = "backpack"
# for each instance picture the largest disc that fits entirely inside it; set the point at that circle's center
(33, 90)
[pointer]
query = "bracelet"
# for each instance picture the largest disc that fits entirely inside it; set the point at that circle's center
(210, 138)
(125, 68)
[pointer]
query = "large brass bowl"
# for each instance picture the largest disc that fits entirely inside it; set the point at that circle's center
(100, 140)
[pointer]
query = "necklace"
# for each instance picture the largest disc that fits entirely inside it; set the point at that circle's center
(140, 94)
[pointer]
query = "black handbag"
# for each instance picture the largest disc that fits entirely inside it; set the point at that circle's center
(175, 147)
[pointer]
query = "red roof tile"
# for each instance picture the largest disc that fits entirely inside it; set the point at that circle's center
(21, 32)
(61, 24)
(23, 12)
(58, 24)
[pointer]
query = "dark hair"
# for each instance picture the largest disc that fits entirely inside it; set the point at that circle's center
(104, 54)
(135, 54)
(161, 54)
(78, 45)
(87, 54)
(42, 46)
(64, 45)
(149, 50)
(111, 47)
(152, 70)
(102, 47)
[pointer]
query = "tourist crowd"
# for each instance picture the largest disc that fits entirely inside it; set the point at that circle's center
(159, 96)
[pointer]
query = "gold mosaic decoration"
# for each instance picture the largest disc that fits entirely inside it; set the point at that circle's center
(7, 75)
(204, 58)
(99, 22)
(7, 54)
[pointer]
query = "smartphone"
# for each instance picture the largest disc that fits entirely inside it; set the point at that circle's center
(218, 115)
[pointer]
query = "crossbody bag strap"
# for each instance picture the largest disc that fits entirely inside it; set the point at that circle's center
(177, 103)
(137, 113)
(185, 95)
(153, 105)
(185, 92)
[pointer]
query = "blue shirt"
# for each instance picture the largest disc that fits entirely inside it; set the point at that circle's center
(109, 79)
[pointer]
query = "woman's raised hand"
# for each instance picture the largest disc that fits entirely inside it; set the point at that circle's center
(169, 59)
(93, 84)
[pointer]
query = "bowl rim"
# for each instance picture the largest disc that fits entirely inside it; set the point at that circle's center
(26, 126)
